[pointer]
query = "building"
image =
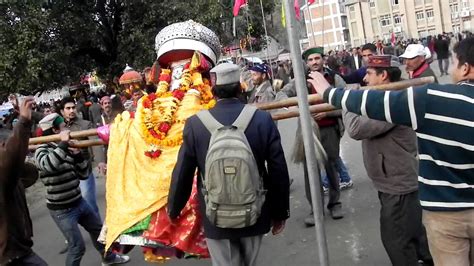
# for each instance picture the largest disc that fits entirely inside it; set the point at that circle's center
(326, 24)
(372, 20)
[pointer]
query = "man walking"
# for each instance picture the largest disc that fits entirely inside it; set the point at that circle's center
(16, 229)
(233, 239)
(441, 48)
(443, 118)
(390, 158)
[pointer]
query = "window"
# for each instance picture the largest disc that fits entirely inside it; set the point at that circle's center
(397, 19)
(454, 10)
(430, 15)
(456, 28)
(394, 2)
(344, 21)
(355, 33)
(465, 5)
(385, 20)
(420, 15)
(372, 3)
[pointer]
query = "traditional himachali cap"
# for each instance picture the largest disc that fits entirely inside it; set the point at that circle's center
(383, 61)
(313, 50)
(414, 50)
(225, 73)
(50, 120)
(261, 68)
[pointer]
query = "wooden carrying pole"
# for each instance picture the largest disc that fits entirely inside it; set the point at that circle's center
(313, 99)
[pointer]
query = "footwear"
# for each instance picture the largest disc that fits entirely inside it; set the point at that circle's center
(118, 259)
(64, 249)
(325, 190)
(336, 212)
(346, 185)
(309, 221)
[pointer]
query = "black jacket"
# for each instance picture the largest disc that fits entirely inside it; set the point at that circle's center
(16, 228)
(441, 48)
(264, 139)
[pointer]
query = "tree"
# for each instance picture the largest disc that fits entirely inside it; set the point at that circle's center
(48, 44)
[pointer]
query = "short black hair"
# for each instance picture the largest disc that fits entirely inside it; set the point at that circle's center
(227, 91)
(369, 46)
(394, 73)
(465, 51)
(65, 101)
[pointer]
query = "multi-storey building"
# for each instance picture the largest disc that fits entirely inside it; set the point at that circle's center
(371, 20)
(326, 24)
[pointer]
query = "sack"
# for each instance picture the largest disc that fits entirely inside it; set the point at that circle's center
(232, 186)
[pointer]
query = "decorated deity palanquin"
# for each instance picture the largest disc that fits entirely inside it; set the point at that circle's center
(143, 149)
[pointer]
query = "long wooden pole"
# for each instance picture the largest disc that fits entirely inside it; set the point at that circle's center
(313, 99)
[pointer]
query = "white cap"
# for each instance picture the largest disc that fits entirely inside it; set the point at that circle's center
(414, 50)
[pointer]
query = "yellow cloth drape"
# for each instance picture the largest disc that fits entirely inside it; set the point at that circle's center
(137, 185)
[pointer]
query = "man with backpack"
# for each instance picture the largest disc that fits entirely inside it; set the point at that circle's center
(243, 179)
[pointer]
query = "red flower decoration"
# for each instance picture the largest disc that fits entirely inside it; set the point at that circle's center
(164, 127)
(178, 94)
(153, 154)
(147, 103)
(132, 115)
(165, 77)
(151, 97)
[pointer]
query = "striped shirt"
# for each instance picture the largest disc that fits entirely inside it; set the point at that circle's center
(60, 172)
(443, 118)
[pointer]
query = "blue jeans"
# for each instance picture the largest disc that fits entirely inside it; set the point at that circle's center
(88, 192)
(341, 169)
(68, 221)
(29, 260)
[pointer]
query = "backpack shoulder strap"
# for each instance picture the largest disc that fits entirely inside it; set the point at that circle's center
(209, 121)
(245, 117)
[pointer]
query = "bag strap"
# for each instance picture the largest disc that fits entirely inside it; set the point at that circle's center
(209, 121)
(245, 117)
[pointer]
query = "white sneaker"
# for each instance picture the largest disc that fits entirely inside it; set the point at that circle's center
(118, 259)
(346, 185)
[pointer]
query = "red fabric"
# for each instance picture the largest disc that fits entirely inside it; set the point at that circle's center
(237, 5)
(185, 234)
(420, 70)
(311, 2)
(326, 122)
(296, 4)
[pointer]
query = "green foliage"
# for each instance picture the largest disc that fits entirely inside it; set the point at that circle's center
(47, 44)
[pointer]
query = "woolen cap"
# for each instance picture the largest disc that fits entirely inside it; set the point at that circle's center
(50, 120)
(313, 50)
(225, 73)
(383, 61)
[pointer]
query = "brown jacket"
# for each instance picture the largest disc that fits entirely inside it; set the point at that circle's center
(15, 223)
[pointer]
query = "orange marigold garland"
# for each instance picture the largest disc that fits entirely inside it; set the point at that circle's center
(155, 130)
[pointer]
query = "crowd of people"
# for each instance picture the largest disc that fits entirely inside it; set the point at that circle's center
(416, 143)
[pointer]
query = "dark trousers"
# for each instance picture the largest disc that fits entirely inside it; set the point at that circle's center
(444, 69)
(401, 228)
(234, 252)
(29, 260)
(330, 139)
(68, 221)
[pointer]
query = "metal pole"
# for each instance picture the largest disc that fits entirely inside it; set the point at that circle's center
(305, 119)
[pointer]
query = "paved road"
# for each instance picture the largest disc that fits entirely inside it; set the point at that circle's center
(354, 240)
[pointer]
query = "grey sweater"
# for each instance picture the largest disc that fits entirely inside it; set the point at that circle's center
(60, 172)
(389, 153)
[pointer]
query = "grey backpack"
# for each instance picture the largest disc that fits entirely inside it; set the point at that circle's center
(232, 186)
